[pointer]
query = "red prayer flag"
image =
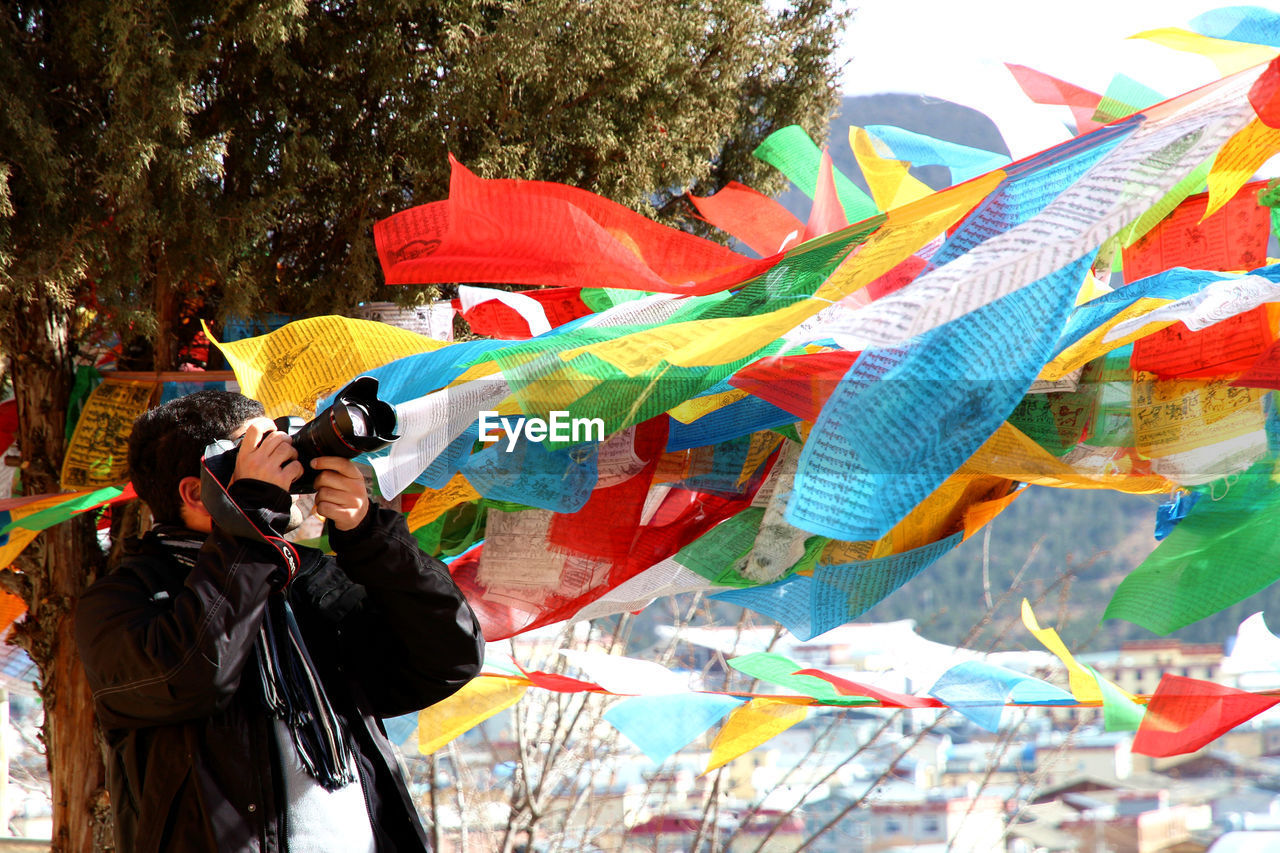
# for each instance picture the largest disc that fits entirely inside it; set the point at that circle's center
(1264, 95)
(541, 233)
(495, 319)
(897, 278)
(1264, 372)
(1044, 89)
(1229, 346)
(1233, 238)
(498, 620)
(605, 527)
(885, 697)
(1186, 714)
(827, 214)
(799, 384)
(558, 683)
(752, 217)
(8, 423)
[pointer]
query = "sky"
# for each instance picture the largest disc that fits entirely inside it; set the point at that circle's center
(955, 50)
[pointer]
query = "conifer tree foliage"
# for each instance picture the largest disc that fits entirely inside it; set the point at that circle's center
(165, 160)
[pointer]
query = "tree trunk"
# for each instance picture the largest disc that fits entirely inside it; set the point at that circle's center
(57, 568)
(81, 809)
(165, 350)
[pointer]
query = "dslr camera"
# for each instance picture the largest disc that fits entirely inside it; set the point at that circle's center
(357, 422)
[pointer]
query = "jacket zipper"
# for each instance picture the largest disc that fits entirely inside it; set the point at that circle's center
(364, 788)
(282, 796)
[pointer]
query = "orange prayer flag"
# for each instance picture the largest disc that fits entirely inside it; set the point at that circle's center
(751, 725)
(479, 700)
(981, 514)
(11, 607)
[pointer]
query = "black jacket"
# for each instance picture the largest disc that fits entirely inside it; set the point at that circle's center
(193, 762)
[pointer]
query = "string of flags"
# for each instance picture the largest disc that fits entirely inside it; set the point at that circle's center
(804, 428)
(660, 714)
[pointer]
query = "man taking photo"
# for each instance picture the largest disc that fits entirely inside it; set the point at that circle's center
(239, 679)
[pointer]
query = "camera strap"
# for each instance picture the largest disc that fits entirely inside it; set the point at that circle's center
(216, 468)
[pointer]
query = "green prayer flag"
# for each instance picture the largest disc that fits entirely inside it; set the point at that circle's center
(87, 378)
(718, 554)
(1224, 551)
(603, 298)
(1270, 197)
(793, 153)
(1119, 712)
(1193, 183)
(777, 669)
(715, 554)
(46, 518)
(1124, 96)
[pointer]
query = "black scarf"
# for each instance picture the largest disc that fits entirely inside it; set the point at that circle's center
(291, 688)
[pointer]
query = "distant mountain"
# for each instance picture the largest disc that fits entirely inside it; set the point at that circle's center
(1097, 536)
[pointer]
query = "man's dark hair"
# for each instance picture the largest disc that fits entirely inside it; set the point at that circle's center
(167, 442)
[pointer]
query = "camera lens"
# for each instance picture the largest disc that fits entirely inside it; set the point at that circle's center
(359, 421)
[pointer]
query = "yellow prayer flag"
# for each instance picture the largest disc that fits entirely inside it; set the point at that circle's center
(751, 725)
(672, 467)
(692, 409)
(1010, 453)
(1084, 684)
(98, 453)
(1238, 161)
(705, 343)
(476, 371)
(889, 180)
(906, 230)
(839, 551)
(942, 513)
(434, 503)
(479, 700)
(1091, 289)
(1172, 416)
(289, 369)
(762, 445)
(697, 343)
(1229, 56)
(19, 539)
(981, 514)
(1095, 343)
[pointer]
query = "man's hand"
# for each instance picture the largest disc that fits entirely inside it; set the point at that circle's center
(341, 495)
(267, 454)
